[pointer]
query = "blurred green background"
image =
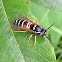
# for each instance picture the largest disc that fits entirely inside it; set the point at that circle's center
(13, 46)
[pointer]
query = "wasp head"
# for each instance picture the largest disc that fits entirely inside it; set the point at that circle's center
(43, 32)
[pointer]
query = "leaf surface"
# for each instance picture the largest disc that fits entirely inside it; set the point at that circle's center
(46, 18)
(55, 4)
(43, 51)
(9, 50)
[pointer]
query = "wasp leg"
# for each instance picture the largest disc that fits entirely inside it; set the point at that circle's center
(29, 38)
(37, 21)
(17, 31)
(27, 16)
(34, 42)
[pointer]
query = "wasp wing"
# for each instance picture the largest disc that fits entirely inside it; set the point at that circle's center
(21, 28)
(23, 17)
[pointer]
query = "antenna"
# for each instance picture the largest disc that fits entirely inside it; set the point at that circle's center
(51, 25)
(47, 29)
(49, 40)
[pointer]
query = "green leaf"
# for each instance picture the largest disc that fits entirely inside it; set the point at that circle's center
(55, 4)
(49, 16)
(9, 50)
(43, 51)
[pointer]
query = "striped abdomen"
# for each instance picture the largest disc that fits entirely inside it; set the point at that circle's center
(23, 23)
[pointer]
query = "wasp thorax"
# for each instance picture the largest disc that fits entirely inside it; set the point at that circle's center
(43, 32)
(38, 29)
